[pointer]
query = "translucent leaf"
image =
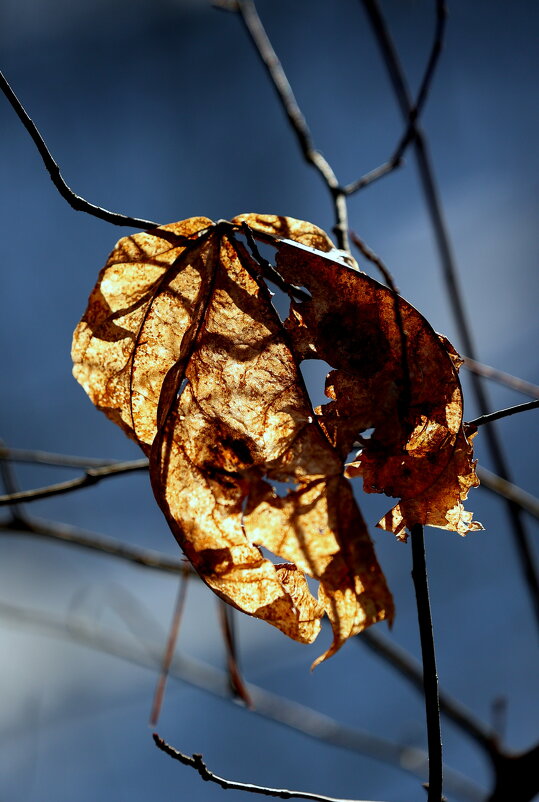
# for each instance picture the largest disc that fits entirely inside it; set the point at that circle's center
(182, 346)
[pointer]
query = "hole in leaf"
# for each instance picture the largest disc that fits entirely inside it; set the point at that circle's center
(283, 488)
(181, 388)
(280, 301)
(314, 372)
(366, 434)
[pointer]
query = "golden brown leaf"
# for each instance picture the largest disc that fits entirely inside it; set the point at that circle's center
(128, 338)
(393, 375)
(182, 347)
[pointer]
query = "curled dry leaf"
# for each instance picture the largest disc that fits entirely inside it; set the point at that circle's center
(183, 348)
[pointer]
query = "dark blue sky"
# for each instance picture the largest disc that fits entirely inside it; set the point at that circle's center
(161, 110)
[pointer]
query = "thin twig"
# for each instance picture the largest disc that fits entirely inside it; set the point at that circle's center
(73, 536)
(411, 129)
(18, 515)
(229, 631)
(430, 676)
(91, 477)
(269, 706)
(411, 670)
(196, 762)
(38, 457)
(430, 190)
(74, 200)
(168, 655)
(503, 413)
(500, 376)
(267, 54)
(508, 490)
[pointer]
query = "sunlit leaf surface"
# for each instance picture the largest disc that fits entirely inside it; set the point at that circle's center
(182, 346)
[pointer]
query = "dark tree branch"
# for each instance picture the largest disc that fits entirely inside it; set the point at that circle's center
(91, 477)
(500, 376)
(74, 200)
(269, 58)
(503, 413)
(410, 131)
(430, 676)
(430, 190)
(196, 762)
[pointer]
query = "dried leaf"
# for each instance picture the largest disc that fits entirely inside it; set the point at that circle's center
(182, 347)
(393, 375)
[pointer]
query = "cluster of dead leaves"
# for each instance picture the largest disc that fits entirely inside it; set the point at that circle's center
(182, 347)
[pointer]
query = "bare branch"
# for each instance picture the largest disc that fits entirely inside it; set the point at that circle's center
(73, 536)
(229, 630)
(508, 490)
(269, 58)
(196, 762)
(37, 457)
(503, 413)
(91, 477)
(430, 676)
(411, 670)
(488, 372)
(18, 515)
(410, 132)
(168, 655)
(430, 190)
(75, 201)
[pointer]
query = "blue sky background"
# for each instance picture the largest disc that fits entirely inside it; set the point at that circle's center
(161, 110)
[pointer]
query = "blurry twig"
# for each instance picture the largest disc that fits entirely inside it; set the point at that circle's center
(229, 630)
(37, 457)
(169, 650)
(503, 413)
(508, 490)
(430, 676)
(268, 705)
(73, 536)
(488, 372)
(197, 762)
(403, 96)
(411, 670)
(17, 514)
(410, 131)
(91, 477)
(75, 201)
(264, 48)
